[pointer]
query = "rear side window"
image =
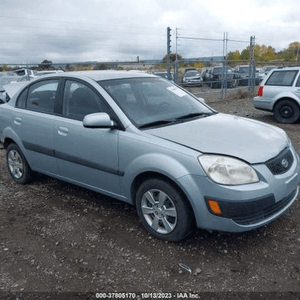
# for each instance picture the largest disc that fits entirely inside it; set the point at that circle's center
(39, 96)
(282, 78)
(21, 103)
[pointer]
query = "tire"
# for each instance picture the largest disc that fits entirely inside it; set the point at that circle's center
(17, 165)
(163, 210)
(286, 111)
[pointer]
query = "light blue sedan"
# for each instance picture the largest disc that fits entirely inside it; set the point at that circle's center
(144, 140)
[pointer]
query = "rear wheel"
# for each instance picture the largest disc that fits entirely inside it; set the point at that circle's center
(17, 165)
(163, 210)
(286, 111)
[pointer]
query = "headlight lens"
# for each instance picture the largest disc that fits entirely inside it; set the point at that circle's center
(227, 170)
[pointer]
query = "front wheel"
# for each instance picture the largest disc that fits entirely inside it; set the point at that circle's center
(163, 210)
(286, 111)
(17, 165)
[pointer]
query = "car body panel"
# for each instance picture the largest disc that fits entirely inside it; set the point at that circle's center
(85, 155)
(205, 136)
(36, 133)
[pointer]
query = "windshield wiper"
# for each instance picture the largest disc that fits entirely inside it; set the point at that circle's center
(182, 118)
(156, 123)
(193, 115)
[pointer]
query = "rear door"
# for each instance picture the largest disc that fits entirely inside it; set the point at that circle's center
(33, 120)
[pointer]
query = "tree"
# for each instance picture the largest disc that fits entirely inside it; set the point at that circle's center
(4, 68)
(234, 55)
(46, 65)
(172, 58)
(101, 66)
(245, 55)
(286, 55)
(295, 46)
(269, 54)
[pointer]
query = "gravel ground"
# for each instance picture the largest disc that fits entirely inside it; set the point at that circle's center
(57, 239)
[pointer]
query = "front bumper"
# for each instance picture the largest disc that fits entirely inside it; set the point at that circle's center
(192, 82)
(243, 207)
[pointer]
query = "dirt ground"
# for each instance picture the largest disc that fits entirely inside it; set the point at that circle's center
(57, 239)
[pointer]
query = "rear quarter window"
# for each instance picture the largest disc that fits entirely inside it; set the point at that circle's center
(282, 78)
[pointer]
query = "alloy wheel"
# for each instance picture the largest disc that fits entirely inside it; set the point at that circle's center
(159, 211)
(15, 164)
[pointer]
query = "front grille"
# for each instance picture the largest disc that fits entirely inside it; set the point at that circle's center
(266, 212)
(281, 163)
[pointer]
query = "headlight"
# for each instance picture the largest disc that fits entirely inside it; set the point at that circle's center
(227, 170)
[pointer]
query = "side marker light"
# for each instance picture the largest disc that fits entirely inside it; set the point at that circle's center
(214, 206)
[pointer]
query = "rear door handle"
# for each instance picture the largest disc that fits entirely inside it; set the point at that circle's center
(18, 120)
(63, 131)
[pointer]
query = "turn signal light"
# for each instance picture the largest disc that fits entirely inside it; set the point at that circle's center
(214, 206)
(260, 91)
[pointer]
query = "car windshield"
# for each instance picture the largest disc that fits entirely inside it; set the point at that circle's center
(151, 102)
(244, 69)
(220, 70)
(191, 74)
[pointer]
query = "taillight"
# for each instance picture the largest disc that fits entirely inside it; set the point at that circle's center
(260, 91)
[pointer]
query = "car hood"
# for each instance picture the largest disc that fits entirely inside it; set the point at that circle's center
(192, 77)
(249, 140)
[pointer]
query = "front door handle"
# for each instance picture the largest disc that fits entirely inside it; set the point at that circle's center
(63, 131)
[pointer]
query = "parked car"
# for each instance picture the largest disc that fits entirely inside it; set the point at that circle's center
(192, 78)
(266, 70)
(25, 73)
(279, 93)
(216, 76)
(242, 72)
(260, 74)
(143, 140)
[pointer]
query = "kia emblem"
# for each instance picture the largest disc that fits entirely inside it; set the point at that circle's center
(284, 163)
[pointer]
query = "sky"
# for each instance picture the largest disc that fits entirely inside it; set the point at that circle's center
(67, 31)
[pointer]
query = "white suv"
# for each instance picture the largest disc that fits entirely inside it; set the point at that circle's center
(279, 92)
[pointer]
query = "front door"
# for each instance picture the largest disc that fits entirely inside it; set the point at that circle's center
(86, 156)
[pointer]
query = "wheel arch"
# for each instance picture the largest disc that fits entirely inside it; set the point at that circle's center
(140, 178)
(285, 98)
(7, 142)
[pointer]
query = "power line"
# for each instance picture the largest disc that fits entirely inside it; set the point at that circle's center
(78, 23)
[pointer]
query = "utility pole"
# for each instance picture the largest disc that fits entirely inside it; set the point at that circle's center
(176, 60)
(169, 52)
(224, 64)
(251, 80)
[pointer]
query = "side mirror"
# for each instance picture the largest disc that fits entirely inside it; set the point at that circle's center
(201, 100)
(98, 120)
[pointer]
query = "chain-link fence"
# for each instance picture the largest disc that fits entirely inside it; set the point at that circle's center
(215, 79)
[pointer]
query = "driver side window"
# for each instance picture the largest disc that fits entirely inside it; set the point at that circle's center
(80, 100)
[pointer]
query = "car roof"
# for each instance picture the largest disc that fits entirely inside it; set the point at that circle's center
(285, 68)
(104, 74)
(95, 75)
